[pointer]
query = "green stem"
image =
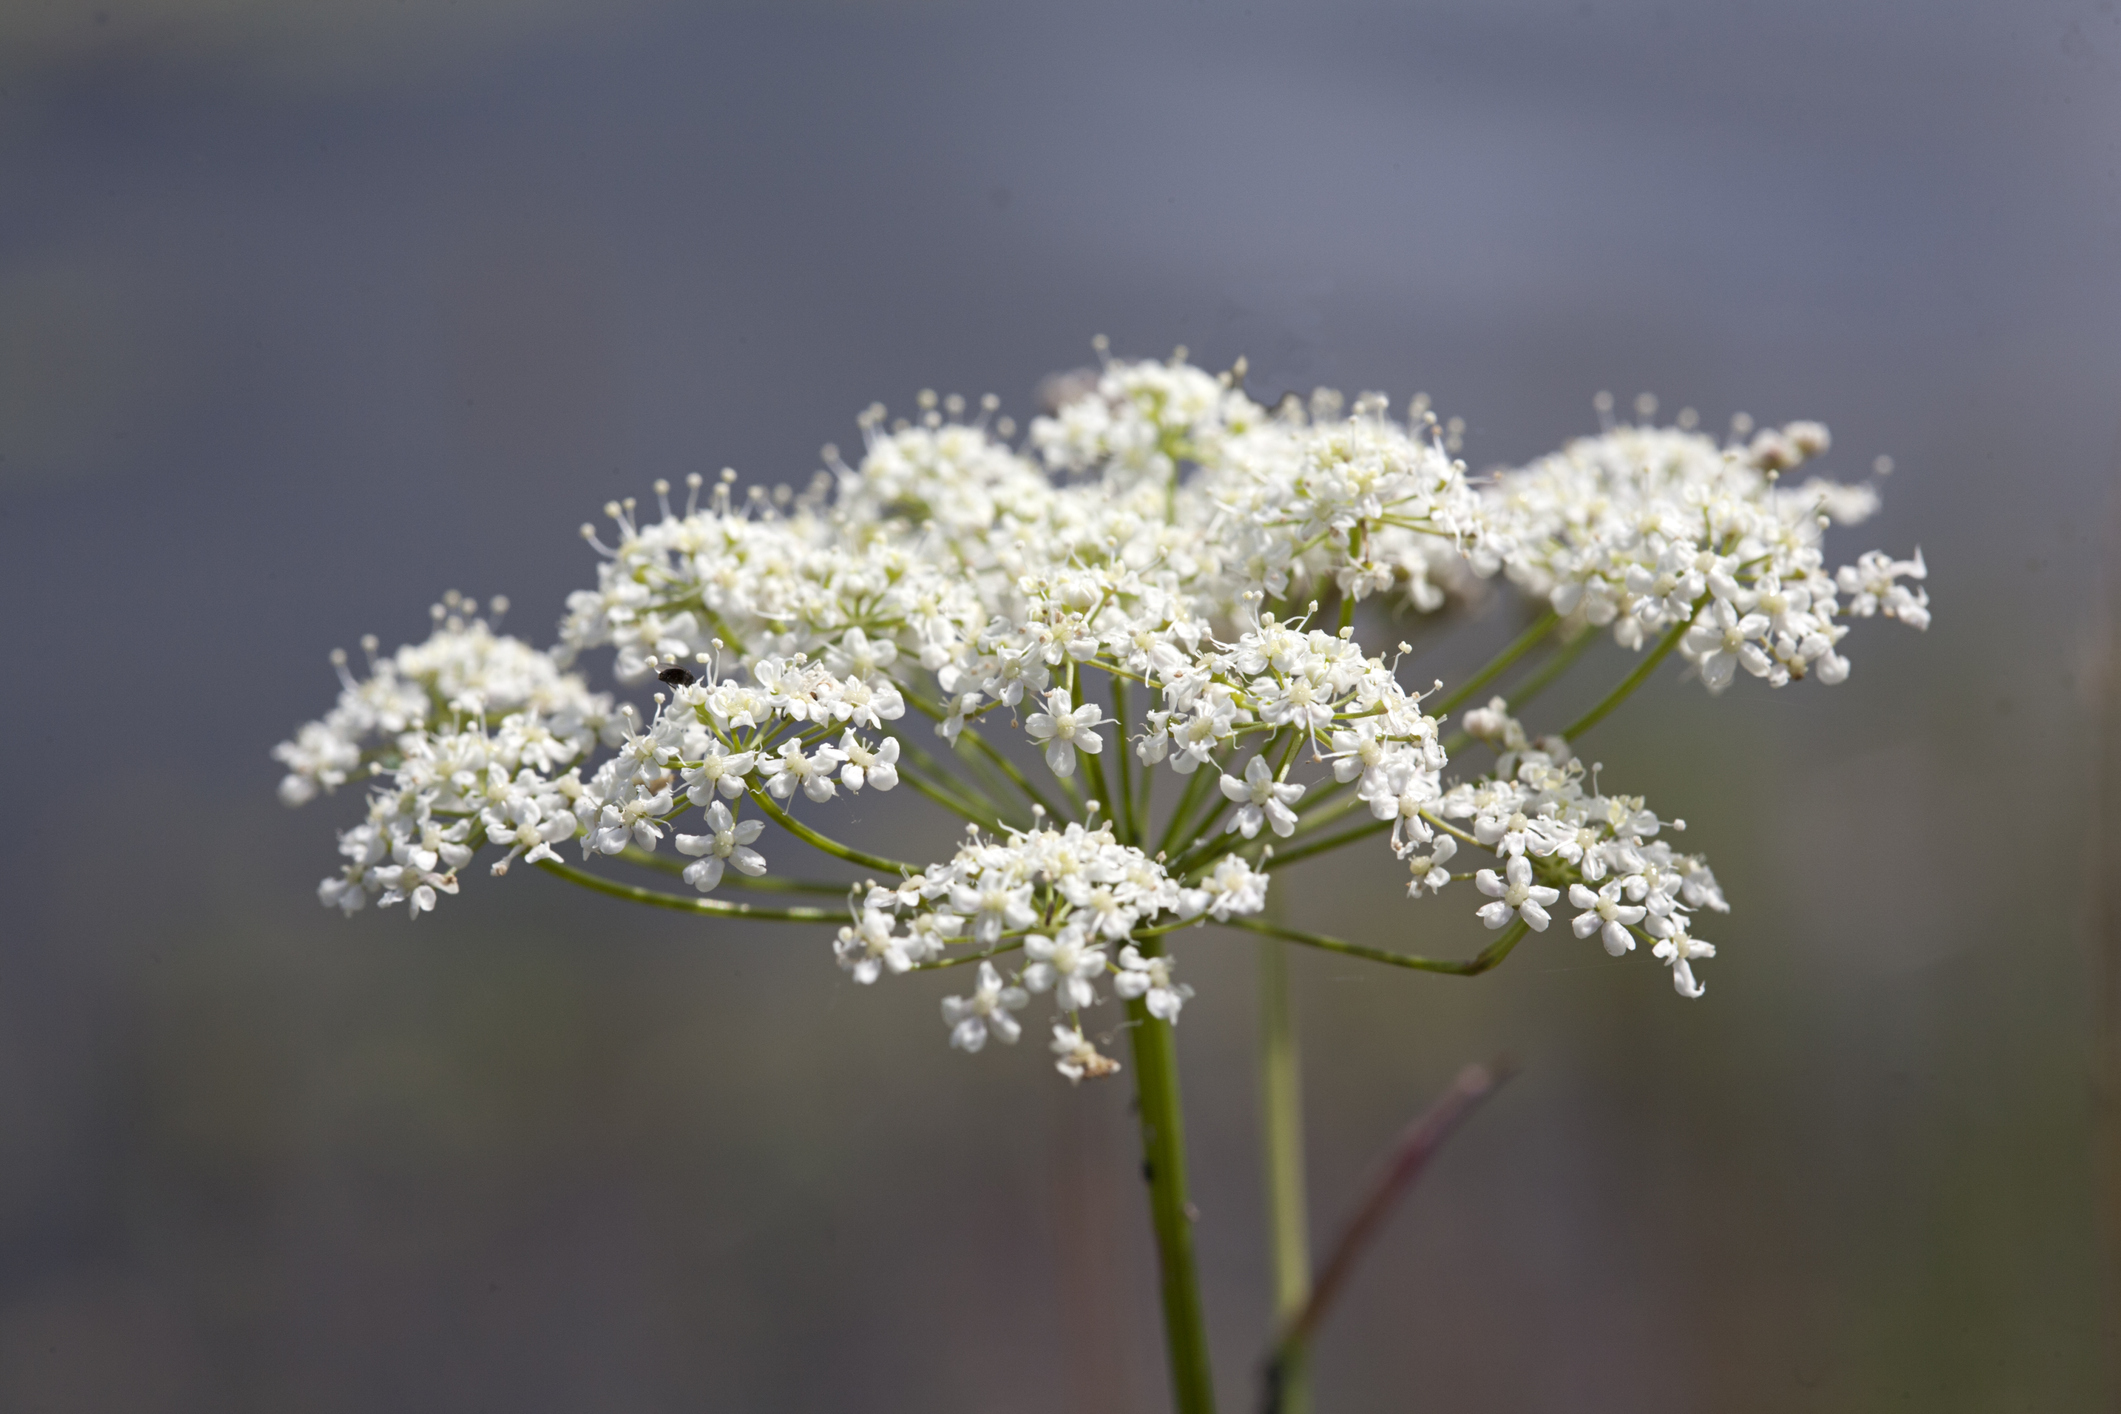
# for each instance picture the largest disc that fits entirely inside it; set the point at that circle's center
(1524, 643)
(1636, 679)
(721, 908)
(962, 782)
(1164, 1166)
(1202, 777)
(1281, 1132)
(1330, 842)
(1123, 808)
(764, 883)
(1556, 664)
(964, 810)
(1487, 958)
(987, 748)
(831, 846)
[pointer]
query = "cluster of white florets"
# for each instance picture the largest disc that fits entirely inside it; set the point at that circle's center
(1160, 534)
(1648, 529)
(1554, 838)
(1065, 898)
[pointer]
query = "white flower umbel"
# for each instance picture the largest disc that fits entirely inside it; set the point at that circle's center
(1145, 571)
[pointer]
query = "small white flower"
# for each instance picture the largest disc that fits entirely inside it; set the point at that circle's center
(1515, 896)
(1233, 887)
(812, 772)
(876, 768)
(718, 771)
(987, 1011)
(1261, 799)
(1150, 979)
(1679, 951)
(994, 904)
(724, 844)
(870, 946)
(1064, 965)
(1428, 870)
(1065, 731)
(1605, 915)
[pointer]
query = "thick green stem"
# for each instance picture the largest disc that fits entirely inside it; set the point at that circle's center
(1164, 1166)
(1282, 1162)
(1636, 679)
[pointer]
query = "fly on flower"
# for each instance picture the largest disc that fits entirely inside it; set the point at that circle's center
(676, 677)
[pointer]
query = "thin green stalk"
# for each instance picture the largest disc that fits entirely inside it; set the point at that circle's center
(1188, 798)
(986, 747)
(964, 810)
(1557, 663)
(1124, 808)
(996, 785)
(764, 883)
(1164, 1166)
(721, 908)
(1497, 665)
(1325, 814)
(1095, 777)
(1330, 842)
(831, 846)
(1281, 1133)
(963, 958)
(1636, 679)
(960, 783)
(1487, 958)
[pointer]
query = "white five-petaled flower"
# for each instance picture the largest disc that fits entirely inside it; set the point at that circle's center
(877, 769)
(1605, 914)
(726, 843)
(987, 1011)
(1428, 870)
(870, 945)
(1261, 798)
(1064, 965)
(812, 772)
(1065, 730)
(1516, 895)
(1722, 639)
(1150, 979)
(1679, 951)
(718, 771)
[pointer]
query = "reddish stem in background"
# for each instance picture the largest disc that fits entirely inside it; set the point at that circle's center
(1409, 1156)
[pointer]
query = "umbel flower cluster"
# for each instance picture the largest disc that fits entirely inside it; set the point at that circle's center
(1159, 582)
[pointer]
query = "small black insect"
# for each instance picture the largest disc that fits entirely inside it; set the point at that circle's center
(677, 677)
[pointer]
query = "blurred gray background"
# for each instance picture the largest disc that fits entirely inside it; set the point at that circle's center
(311, 312)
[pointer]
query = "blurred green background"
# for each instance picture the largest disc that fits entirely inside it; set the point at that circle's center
(309, 312)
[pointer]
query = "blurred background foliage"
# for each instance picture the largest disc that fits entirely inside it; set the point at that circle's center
(309, 312)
